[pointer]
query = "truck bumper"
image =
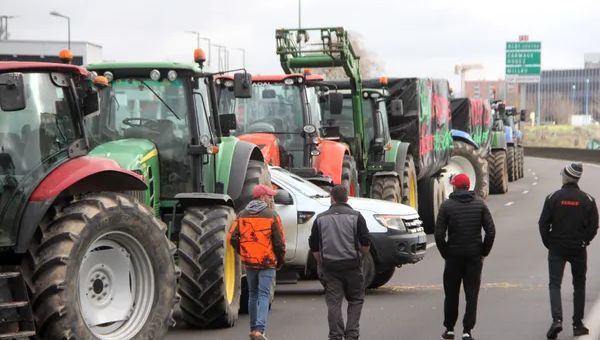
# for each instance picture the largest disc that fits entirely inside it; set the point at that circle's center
(398, 248)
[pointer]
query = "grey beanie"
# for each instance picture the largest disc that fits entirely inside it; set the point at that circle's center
(573, 170)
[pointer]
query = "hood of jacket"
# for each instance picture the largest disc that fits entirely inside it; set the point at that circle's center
(256, 206)
(463, 196)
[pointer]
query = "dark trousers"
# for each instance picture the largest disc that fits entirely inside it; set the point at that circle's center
(557, 258)
(468, 271)
(338, 285)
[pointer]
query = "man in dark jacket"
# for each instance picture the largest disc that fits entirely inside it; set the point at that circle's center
(337, 239)
(257, 235)
(461, 219)
(568, 223)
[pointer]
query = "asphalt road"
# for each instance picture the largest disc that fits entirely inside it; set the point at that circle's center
(513, 302)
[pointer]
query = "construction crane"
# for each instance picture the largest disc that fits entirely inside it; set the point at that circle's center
(462, 69)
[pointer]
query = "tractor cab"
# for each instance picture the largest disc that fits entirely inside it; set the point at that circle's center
(39, 129)
(281, 117)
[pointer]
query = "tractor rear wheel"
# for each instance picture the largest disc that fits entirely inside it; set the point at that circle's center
(431, 196)
(467, 159)
(511, 159)
(521, 153)
(257, 173)
(410, 193)
(498, 171)
(368, 269)
(350, 176)
(382, 277)
(210, 284)
(102, 268)
(386, 188)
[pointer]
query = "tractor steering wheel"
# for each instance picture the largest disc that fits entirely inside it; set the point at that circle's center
(141, 122)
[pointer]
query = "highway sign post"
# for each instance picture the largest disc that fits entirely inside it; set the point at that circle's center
(523, 61)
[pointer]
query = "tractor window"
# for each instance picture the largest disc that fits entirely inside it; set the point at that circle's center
(42, 129)
(315, 107)
(202, 101)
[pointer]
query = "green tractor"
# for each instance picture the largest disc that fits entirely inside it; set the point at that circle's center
(498, 157)
(380, 160)
(160, 120)
(78, 258)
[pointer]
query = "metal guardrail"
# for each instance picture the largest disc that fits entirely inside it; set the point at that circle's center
(581, 155)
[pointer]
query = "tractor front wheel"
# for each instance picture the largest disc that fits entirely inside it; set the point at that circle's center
(102, 268)
(431, 196)
(386, 188)
(410, 193)
(498, 171)
(350, 176)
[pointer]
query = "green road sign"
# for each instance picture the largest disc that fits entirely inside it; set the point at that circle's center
(523, 61)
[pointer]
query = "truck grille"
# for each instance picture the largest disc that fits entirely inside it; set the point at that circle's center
(413, 225)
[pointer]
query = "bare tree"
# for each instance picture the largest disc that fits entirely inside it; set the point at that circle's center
(558, 109)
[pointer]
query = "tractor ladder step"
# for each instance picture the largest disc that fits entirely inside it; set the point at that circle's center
(9, 275)
(17, 335)
(13, 305)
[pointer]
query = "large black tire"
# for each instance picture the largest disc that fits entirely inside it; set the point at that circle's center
(204, 253)
(350, 176)
(511, 160)
(386, 188)
(257, 173)
(498, 171)
(408, 182)
(431, 196)
(69, 237)
(462, 150)
(368, 269)
(382, 277)
(521, 153)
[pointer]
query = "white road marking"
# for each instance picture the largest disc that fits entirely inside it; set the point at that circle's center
(534, 174)
(594, 165)
(509, 204)
(525, 192)
(536, 178)
(429, 245)
(529, 170)
(592, 321)
(534, 183)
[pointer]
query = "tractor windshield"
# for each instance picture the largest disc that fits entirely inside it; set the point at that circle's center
(32, 139)
(345, 121)
(274, 108)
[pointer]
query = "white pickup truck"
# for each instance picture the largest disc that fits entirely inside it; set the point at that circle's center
(395, 229)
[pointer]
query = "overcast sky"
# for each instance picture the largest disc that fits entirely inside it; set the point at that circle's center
(410, 38)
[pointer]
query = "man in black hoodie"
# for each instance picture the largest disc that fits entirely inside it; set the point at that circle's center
(458, 238)
(568, 223)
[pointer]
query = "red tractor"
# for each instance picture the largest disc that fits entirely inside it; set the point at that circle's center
(283, 118)
(79, 258)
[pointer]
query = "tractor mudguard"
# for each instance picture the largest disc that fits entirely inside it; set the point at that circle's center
(398, 154)
(234, 176)
(331, 159)
(498, 140)
(463, 136)
(79, 175)
(268, 144)
(508, 132)
(197, 199)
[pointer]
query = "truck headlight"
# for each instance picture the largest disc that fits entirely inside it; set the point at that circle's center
(391, 222)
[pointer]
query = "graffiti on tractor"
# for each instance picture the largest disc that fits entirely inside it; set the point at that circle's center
(434, 118)
(481, 121)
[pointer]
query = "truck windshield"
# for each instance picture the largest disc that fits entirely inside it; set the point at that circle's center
(273, 108)
(44, 128)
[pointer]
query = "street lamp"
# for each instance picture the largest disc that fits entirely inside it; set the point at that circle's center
(587, 91)
(4, 25)
(243, 55)
(222, 65)
(56, 14)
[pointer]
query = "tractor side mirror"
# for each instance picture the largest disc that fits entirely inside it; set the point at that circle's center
(91, 103)
(336, 101)
(228, 122)
(283, 197)
(242, 85)
(12, 92)
(396, 108)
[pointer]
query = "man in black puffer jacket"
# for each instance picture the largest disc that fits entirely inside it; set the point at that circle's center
(458, 238)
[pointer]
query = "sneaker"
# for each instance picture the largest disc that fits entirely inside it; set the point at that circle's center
(555, 328)
(448, 335)
(579, 330)
(257, 335)
(467, 336)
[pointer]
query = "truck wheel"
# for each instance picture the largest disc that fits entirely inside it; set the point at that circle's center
(382, 278)
(257, 173)
(102, 268)
(467, 159)
(368, 269)
(408, 183)
(431, 196)
(350, 176)
(386, 188)
(211, 271)
(511, 163)
(498, 170)
(521, 153)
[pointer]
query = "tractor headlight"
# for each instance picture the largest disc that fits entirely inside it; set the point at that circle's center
(391, 222)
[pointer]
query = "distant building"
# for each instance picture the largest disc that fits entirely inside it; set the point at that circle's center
(41, 50)
(492, 89)
(591, 60)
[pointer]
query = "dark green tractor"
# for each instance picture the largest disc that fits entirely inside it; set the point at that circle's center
(161, 120)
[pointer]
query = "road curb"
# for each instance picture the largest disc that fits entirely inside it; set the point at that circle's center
(582, 155)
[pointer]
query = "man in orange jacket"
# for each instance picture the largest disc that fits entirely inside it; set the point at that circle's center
(258, 236)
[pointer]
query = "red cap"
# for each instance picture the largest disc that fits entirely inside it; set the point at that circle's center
(261, 190)
(460, 181)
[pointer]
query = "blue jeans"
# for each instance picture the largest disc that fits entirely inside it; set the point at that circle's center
(259, 294)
